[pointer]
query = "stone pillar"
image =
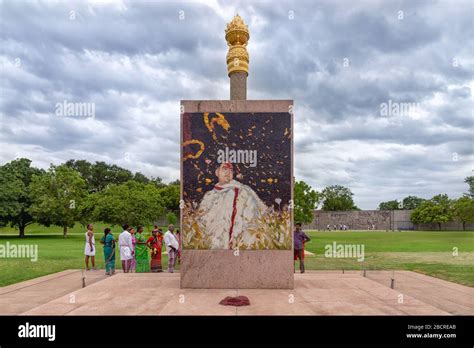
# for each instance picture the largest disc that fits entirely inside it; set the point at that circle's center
(245, 260)
(237, 36)
(238, 86)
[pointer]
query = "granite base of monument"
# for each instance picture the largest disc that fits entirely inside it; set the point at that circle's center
(250, 269)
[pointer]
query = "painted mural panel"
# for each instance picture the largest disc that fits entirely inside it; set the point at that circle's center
(236, 180)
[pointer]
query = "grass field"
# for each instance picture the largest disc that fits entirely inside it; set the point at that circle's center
(426, 252)
(56, 253)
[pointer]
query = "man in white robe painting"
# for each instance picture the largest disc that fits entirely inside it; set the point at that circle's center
(230, 211)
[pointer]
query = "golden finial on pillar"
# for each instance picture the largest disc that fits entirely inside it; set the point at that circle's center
(237, 35)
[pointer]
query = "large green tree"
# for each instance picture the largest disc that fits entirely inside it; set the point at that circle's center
(306, 200)
(158, 182)
(411, 202)
(408, 203)
(470, 181)
(104, 174)
(389, 205)
(338, 197)
(463, 209)
(436, 210)
(131, 202)
(58, 196)
(15, 196)
(100, 174)
(139, 177)
(170, 195)
(84, 168)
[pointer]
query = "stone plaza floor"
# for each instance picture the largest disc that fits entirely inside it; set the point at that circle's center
(315, 293)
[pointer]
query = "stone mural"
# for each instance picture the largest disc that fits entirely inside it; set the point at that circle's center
(236, 180)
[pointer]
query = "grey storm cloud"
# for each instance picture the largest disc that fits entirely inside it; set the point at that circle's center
(339, 60)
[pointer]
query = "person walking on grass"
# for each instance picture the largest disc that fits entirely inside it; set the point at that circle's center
(141, 252)
(299, 238)
(89, 249)
(126, 248)
(108, 241)
(172, 247)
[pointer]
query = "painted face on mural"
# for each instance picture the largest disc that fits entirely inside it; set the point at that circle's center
(225, 173)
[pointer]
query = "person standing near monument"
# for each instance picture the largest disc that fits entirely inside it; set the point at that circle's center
(172, 247)
(109, 251)
(89, 249)
(300, 238)
(155, 243)
(141, 252)
(126, 248)
(178, 237)
(133, 261)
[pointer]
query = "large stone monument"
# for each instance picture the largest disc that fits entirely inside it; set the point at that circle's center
(237, 184)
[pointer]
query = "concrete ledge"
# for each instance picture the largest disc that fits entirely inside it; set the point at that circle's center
(236, 105)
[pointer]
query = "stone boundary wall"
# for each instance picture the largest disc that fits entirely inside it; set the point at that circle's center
(376, 220)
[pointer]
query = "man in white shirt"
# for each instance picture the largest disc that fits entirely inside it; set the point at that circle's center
(126, 248)
(172, 246)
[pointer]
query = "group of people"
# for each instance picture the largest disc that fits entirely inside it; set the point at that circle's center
(341, 227)
(137, 253)
(134, 248)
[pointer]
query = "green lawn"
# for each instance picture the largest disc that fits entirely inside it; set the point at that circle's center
(427, 252)
(56, 253)
(430, 253)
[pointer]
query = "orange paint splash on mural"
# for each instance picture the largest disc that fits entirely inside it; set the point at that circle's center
(198, 153)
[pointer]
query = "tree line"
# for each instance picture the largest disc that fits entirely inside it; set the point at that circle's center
(334, 197)
(439, 209)
(80, 191)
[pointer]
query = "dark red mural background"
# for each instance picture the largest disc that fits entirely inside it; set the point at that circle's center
(270, 134)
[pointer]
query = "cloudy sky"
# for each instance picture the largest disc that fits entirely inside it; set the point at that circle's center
(341, 61)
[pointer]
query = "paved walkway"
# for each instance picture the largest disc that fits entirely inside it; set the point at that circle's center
(450, 297)
(21, 297)
(315, 293)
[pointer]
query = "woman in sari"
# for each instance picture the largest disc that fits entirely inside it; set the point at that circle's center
(108, 241)
(141, 252)
(155, 243)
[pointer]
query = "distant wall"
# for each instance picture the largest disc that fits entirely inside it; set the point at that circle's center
(376, 219)
(448, 226)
